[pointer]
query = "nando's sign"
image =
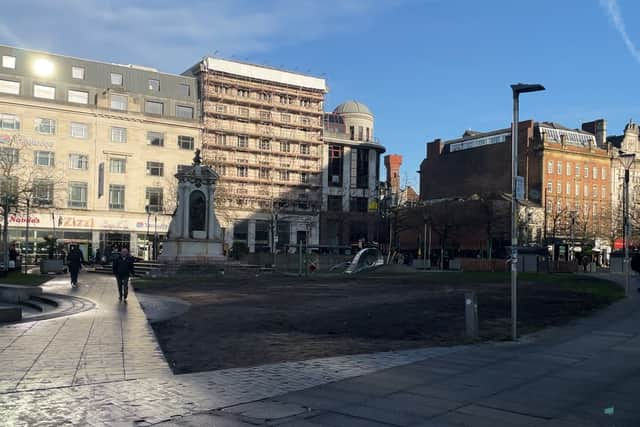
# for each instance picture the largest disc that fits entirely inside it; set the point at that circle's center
(22, 140)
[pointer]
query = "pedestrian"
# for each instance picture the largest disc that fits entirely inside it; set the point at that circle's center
(123, 269)
(13, 257)
(75, 260)
(97, 259)
(635, 264)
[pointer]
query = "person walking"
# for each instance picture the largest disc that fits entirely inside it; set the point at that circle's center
(635, 264)
(123, 269)
(75, 260)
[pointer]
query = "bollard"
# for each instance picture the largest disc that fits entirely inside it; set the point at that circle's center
(471, 315)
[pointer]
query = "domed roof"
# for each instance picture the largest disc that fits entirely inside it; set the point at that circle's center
(352, 107)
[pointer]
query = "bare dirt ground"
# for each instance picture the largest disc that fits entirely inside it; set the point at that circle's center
(268, 319)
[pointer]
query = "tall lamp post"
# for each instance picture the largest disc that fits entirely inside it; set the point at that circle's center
(627, 160)
(517, 89)
(148, 210)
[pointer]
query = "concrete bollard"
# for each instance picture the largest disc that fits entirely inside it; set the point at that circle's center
(471, 315)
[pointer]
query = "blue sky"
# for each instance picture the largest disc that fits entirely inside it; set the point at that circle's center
(427, 69)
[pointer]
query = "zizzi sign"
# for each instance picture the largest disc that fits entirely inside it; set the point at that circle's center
(24, 141)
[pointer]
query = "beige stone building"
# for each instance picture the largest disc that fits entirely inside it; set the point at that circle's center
(263, 135)
(101, 143)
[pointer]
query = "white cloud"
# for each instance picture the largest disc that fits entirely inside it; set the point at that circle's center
(164, 32)
(613, 11)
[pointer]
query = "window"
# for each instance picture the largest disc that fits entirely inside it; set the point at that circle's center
(79, 130)
(12, 88)
(265, 115)
(243, 141)
(221, 139)
(550, 166)
(116, 79)
(285, 100)
(77, 195)
(118, 134)
(221, 169)
(184, 112)
(9, 121)
(222, 89)
(185, 142)
(43, 191)
(368, 135)
(78, 161)
(585, 193)
(577, 169)
(568, 168)
(77, 96)
(559, 188)
(116, 197)
(242, 171)
(155, 169)
(184, 89)
(155, 138)
(362, 168)
(117, 166)
(221, 108)
(559, 167)
(285, 147)
(154, 199)
(359, 204)
(594, 173)
(284, 175)
(334, 203)
(595, 210)
(119, 102)
(9, 155)
(265, 144)
(549, 187)
(43, 158)
(286, 118)
(335, 165)
(603, 173)
(244, 112)
(153, 107)
(241, 230)
(265, 96)
(77, 73)
(603, 193)
(577, 189)
(244, 93)
(8, 61)
(304, 149)
(154, 85)
(594, 191)
(264, 173)
(586, 171)
(46, 92)
(352, 132)
(46, 126)
(360, 133)
(304, 178)
(568, 189)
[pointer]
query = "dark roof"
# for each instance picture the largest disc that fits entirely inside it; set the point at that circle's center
(615, 140)
(555, 125)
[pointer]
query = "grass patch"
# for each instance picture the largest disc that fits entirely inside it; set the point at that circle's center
(18, 278)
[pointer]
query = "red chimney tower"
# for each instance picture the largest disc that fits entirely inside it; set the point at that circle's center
(392, 163)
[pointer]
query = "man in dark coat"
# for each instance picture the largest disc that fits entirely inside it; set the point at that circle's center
(75, 260)
(123, 268)
(635, 263)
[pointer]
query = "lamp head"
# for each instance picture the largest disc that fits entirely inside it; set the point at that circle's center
(519, 88)
(626, 159)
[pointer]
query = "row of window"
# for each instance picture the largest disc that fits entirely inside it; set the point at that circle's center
(81, 131)
(118, 102)
(586, 209)
(585, 193)
(264, 173)
(243, 141)
(263, 115)
(568, 169)
(116, 79)
(265, 96)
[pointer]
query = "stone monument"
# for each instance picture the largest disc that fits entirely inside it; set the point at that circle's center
(194, 231)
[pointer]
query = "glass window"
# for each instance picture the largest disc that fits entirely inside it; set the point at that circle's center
(9, 155)
(265, 144)
(116, 79)
(594, 173)
(154, 85)
(265, 115)
(118, 134)
(603, 192)
(586, 171)
(244, 93)
(78, 195)
(119, 102)
(585, 193)
(8, 61)
(304, 178)
(243, 141)
(221, 139)
(12, 88)
(577, 169)
(43, 158)
(154, 199)
(185, 142)
(284, 175)
(116, 197)
(577, 189)
(153, 107)
(184, 112)
(244, 112)
(155, 138)
(594, 191)
(550, 166)
(568, 190)
(549, 187)
(79, 130)
(43, 191)
(559, 188)
(242, 171)
(46, 126)
(304, 149)
(559, 167)
(77, 96)
(9, 121)
(78, 161)
(286, 118)
(334, 203)
(46, 92)
(568, 168)
(77, 73)
(184, 89)
(117, 165)
(155, 169)
(285, 147)
(223, 108)
(264, 173)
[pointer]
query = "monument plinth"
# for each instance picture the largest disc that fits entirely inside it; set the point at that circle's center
(194, 232)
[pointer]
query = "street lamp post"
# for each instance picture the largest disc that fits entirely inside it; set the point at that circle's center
(155, 236)
(627, 160)
(517, 89)
(148, 210)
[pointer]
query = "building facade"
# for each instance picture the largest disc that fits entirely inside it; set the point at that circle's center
(566, 174)
(350, 177)
(263, 135)
(99, 144)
